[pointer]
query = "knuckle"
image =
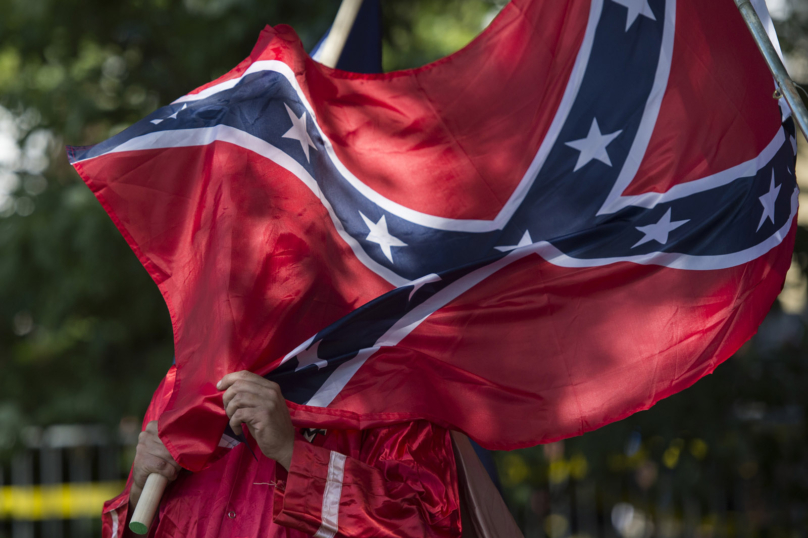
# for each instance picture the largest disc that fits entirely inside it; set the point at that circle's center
(144, 439)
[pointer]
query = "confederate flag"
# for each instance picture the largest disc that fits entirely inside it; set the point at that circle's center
(585, 210)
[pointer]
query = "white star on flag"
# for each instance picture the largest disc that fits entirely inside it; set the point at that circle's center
(593, 146)
(635, 9)
(768, 200)
(309, 357)
(171, 117)
(174, 115)
(299, 132)
(659, 232)
(525, 241)
(379, 234)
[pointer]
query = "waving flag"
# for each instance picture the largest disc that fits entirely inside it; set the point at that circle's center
(584, 211)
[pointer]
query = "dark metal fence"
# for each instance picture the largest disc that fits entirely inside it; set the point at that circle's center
(53, 486)
(639, 497)
(55, 483)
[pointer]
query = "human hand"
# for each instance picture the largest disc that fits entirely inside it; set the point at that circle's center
(151, 456)
(257, 402)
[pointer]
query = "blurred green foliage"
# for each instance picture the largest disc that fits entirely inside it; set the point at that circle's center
(85, 336)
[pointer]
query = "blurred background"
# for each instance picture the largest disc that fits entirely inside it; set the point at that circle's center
(85, 336)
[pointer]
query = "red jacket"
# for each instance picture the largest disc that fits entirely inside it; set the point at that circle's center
(397, 481)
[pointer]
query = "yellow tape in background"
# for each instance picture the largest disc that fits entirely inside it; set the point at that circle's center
(57, 501)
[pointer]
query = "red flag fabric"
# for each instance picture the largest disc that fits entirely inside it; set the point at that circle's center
(585, 210)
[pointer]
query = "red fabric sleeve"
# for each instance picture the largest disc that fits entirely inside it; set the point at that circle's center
(403, 485)
(115, 511)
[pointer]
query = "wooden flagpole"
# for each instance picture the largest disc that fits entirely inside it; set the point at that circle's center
(784, 82)
(331, 51)
(335, 42)
(148, 503)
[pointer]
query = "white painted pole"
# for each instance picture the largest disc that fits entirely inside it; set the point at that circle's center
(148, 503)
(784, 82)
(335, 42)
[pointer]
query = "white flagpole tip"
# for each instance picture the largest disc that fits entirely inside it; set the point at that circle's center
(332, 47)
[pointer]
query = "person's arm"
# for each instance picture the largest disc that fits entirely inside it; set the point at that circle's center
(403, 484)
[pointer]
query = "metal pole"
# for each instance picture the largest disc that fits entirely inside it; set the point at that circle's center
(784, 82)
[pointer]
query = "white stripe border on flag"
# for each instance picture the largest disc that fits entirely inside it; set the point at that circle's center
(412, 319)
(417, 217)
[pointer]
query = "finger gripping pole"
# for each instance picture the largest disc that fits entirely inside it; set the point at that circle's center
(148, 503)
